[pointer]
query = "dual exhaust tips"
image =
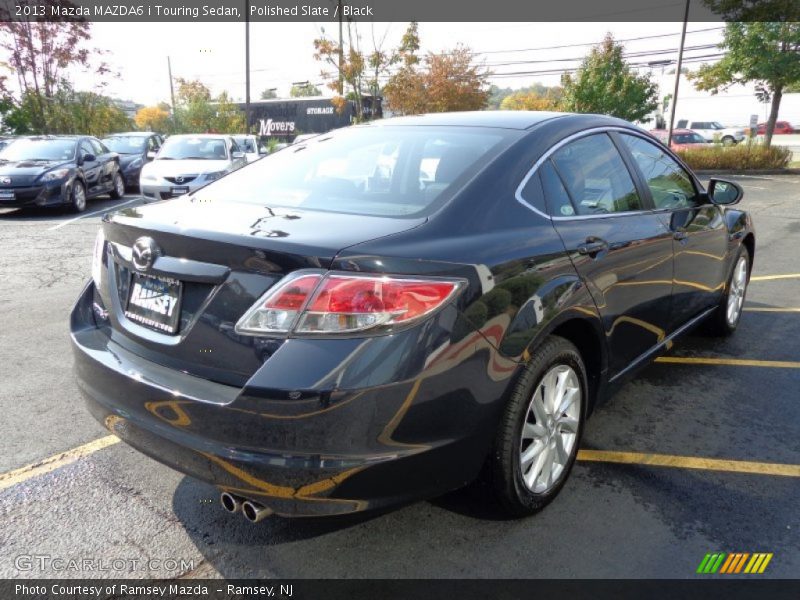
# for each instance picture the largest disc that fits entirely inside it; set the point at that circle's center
(252, 511)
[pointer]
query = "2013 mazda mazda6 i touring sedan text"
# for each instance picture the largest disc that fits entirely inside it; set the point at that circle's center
(385, 312)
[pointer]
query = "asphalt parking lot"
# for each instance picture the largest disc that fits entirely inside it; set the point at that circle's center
(699, 454)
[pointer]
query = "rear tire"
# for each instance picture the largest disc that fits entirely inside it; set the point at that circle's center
(540, 430)
(725, 319)
(118, 190)
(78, 197)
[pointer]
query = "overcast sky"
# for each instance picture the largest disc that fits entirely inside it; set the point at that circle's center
(283, 53)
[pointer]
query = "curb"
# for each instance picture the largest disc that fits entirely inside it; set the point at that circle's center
(750, 172)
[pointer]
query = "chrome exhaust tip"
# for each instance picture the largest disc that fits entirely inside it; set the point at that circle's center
(230, 502)
(254, 512)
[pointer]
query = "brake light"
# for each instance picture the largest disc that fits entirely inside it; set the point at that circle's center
(277, 310)
(345, 303)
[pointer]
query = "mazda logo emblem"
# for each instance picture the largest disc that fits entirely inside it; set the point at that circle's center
(5, 180)
(179, 179)
(144, 253)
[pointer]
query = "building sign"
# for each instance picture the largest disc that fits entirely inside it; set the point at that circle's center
(270, 127)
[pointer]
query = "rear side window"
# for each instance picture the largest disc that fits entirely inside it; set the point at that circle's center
(556, 196)
(596, 176)
(373, 170)
(670, 185)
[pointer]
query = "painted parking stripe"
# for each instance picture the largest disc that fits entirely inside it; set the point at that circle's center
(92, 214)
(771, 277)
(771, 309)
(731, 362)
(689, 462)
(54, 462)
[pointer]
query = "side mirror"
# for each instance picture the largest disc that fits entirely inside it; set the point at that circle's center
(88, 158)
(151, 155)
(724, 193)
(237, 155)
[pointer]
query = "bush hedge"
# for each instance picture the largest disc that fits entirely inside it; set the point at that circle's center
(745, 156)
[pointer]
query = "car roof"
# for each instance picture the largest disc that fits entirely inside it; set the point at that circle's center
(674, 131)
(501, 119)
(130, 133)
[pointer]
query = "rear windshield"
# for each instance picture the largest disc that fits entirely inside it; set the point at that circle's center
(379, 171)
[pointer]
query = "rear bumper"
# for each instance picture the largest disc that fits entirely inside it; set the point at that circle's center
(326, 452)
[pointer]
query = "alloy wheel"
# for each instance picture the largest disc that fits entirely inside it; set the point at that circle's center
(737, 290)
(550, 429)
(119, 185)
(79, 196)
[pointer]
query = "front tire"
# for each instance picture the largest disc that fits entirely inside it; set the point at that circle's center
(728, 141)
(725, 319)
(78, 197)
(541, 427)
(118, 190)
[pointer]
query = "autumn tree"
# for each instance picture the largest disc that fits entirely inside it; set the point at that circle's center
(304, 91)
(536, 97)
(152, 118)
(348, 64)
(197, 111)
(448, 81)
(40, 55)
(766, 54)
(606, 84)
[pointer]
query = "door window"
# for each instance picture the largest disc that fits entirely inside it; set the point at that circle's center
(97, 148)
(670, 185)
(596, 176)
(86, 148)
(556, 196)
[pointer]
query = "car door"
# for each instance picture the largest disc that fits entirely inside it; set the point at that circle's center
(700, 236)
(621, 249)
(108, 165)
(91, 168)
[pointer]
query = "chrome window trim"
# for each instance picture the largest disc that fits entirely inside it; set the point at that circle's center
(561, 143)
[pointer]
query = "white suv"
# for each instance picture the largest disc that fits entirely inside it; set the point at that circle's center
(712, 131)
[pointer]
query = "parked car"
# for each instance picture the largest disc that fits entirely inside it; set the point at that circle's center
(781, 128)
(327, 331)
(712, 131)
(249, 145)
(135, 149)
(5, 141)
(681, 138)
(188, 162)
(58, 171)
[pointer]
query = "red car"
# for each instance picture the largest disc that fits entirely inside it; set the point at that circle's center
(681, 138)
(781, 127)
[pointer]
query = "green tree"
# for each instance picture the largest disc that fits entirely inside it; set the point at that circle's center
(606, 84)
(764, 53)
(40, 54)
(304, 91)
(268, 94)
(197, 111)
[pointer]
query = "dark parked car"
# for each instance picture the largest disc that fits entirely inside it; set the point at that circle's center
(379, 313)
(135, 149)
(58, 171)
(5, 141)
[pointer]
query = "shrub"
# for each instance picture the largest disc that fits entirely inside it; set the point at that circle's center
(744, 157)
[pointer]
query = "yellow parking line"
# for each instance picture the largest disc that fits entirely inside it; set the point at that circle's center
(735, 362)
(689, 462)
(771, 309)
(54, 462)
(771, 277)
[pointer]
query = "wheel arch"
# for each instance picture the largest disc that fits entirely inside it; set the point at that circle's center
(585, 337)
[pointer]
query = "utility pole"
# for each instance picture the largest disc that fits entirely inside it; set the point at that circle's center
(171, 90)
(677, 76)
(247, 65)
(341, 52)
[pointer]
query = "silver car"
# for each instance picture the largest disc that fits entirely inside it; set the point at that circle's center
(187, 162)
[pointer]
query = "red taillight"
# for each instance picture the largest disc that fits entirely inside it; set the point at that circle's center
(344, 303)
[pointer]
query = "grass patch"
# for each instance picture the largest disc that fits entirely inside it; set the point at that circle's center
(743, 157)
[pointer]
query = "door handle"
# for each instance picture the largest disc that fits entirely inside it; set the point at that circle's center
(593, 246)
(680, 235)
